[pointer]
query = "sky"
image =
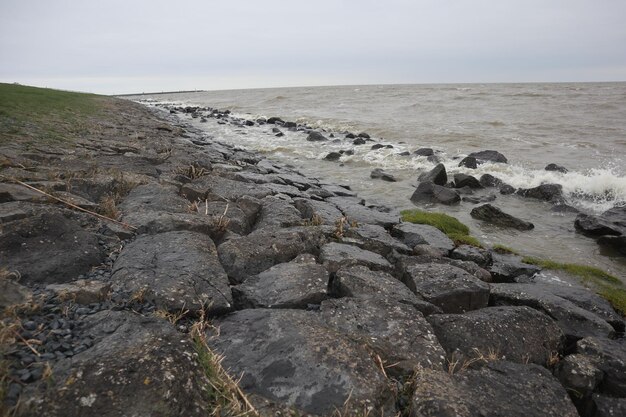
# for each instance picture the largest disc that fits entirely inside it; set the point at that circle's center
(132, 46)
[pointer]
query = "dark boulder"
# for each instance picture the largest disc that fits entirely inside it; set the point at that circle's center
(469, 162)
(488, 180)
(215, 188)
(435, 159)
(508, 267)
(506, 189)
(333, 156)
(363, 135)
(319, 211)
(480, 257)
(291, 357)
(519, 334)
(377, 146)
(555, 167)
(463, 180)
(610, 357)
(338, 255)
(427, 192)
(618, 243)
(424, 152)
(546, 192)
(397, 332)
(379, 173)
(358, 141)
(607, 406)
(361, 214)
(498, 389)
(416, 234)
(608, 223)
(277, 212)
(316, 137)
(494, 215)
(154, 197)
(490, 156)
(289, 125)
(437, 175)
(374, 238)
(351, 136)
(274, 120)
(579, 376)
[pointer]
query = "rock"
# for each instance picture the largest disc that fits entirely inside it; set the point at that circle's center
(608, 406)
(555, 167)
(379, 173)
(275, 120)
(155, 365)
(154, 197)
(488, 180)
(618, 243)
(546, 192)
(428, 251)
(290, 357)
(494, 215)
(333, 156)
(361, 282)
(48, 248)
(470, 267)
(350, 135)
(489, 156)
(277, 212)
(316, 137)
(17, 192)
(437, 175)
(497, 389)
(374, 238)
(463, 180)
(363, 135)
(576, 322)
(12, 293)
(361, 214)
(82, 291)
(578, 375)
(323, 212)
(610, 357)
(397, 332)
(358, 141)
(480, 257)
(506, 268)
(338, 255)
(214, 188)
(289, 125)
(517, 334)
(506, 189)
(175, 270)
(294, 284)
(416, 234)
(448, 287)
(427, 192)
(16, 210)
(260, 250)
(424, 152)
(377, 146)
(434, 159)
(595, 226)
(469, 162)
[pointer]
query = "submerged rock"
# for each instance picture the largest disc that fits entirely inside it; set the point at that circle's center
(379, 173)
(437, 175)
(489, 155)
(424, 152)
(316, 137)
(494, 215)
(469, 162)
(427, 192)
(555, 167)
(546, 192)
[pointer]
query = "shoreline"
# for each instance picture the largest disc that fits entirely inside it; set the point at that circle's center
(307, 285)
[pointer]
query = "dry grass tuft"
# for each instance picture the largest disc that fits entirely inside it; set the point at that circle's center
(455, 365)
(108, 206)
(316, 220)
(5, 273)
(191, 171)
(172, 317)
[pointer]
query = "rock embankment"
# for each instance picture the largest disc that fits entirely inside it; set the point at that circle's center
(316, 301)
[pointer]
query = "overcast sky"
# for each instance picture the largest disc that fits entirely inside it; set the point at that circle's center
(111, 46)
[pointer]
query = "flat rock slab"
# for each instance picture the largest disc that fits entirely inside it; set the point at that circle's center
(496, 390)
(418, 234)
(361, 282)
(177, 270)
(448, 287)
(427, 192)
(138, 366)
(397, 332)
(337, 255)
(291, 357)
(154, 197)
(610, 357)
(495, 216)
(214, 188)
(609, 406)
(48, 248)
(12, 293)
(517, 334)
(277, 212)
(249, 255)
(575, 321)
(294, 284)
(505, 268)
(376, 239)
(323, 212)
(16, 192)
(82, 291)
(363, 215)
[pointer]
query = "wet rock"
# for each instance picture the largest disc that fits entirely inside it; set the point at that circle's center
(437, 175)
(489, 156)
(397, 332)
(48, 248)
(316, 137)
(12, 293)
(379, 173)
(448, 287)
(175, 270)
(591, 225)
(506, 268)
(374, 238)
(480, 257)
(494, 215)
(214, 188)
(469, 162)
(610, 357)
(153, 363)
(377, 146)
(576, 322)
(290, 357)
(260, 250)
(321, 211)
(361, 282)
(358, 141)
(427, 192)
(488, 180)
(506, 189)
(416, 234)
(364, 135)
(469, 267)
(277, 212)
(609, 406)
(294, 284)
(497, 389)
(333, 156)
(463, 180)
(339, 190)
(338, 255)
(517, 334)
(82, 291)
(616, 242)
(424, 152)
(555, 167)
(361, 214)
(275, 120)
(578, 375)
(546, 192)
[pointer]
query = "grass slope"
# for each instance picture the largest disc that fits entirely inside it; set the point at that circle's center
(451, 226)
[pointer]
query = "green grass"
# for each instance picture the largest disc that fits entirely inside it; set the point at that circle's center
(505, 250)
(604, 284)
(42, 114)
(451, 226)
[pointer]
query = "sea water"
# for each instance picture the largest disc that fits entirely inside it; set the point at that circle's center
(581, 126)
